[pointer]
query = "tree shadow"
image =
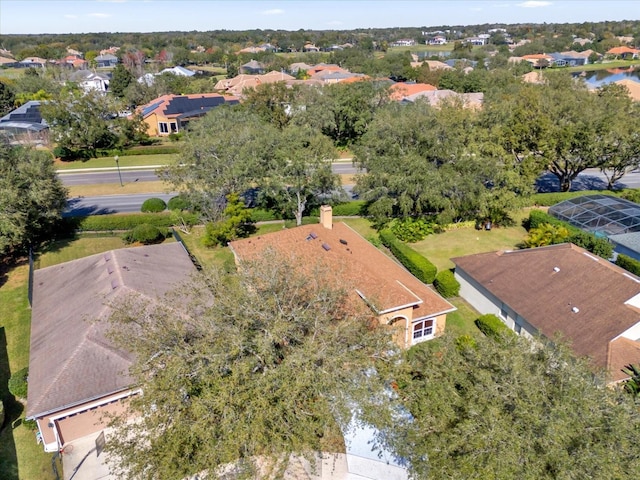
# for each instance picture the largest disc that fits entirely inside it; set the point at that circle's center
(7, 264)
(13, 410)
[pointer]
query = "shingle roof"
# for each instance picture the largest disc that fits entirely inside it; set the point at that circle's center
(382, 282)
(527, 281)
(71, 360)
(176, 105)
(26, 116)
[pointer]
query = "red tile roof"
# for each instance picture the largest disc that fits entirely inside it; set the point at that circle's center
(401, 90)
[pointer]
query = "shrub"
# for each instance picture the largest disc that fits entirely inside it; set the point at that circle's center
(261, 215)
(586, 240)
(237, 223)
(412, 229)
(153, 205)
(418, 265)
(18, 383)
(158, 150)
(465, 342)
(629, 264)
(64, 153)
(631, 194)
(145, 234)
(493, 327)
(355, 208)
(178, 203)
(446, 284)
(546, 234)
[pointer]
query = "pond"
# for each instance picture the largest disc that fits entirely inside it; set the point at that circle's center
(602, 77)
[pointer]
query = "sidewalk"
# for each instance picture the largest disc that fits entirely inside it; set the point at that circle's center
(107, 169)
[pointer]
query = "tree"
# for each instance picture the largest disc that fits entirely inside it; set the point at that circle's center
(32, 198)
(80, 123)
(236, 223)
(300, 175)
(272, 102)
(546, 234)
(7, 99)
(258, 364)
(226, 151)
(511, 409)
(121, 78)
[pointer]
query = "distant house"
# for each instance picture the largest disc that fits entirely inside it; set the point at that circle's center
(76, 374)
(539, 60)
(236, 85)
(570, 58)
(178, 70)
(91, 81)
(172, 113)
(35, 62)
(106, 60)
(8, 62)
(403, 42)
(398, 300)
(559, 290)
(633, 88)
(400, 90)
(624, 53)
(437, 40)
(310, 47)
(25, 125)
(252, 68)
(476, 41)
(436, 97)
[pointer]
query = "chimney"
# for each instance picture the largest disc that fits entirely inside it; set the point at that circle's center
(326, 216)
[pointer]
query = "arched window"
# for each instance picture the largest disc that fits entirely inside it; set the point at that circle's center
(423, 330)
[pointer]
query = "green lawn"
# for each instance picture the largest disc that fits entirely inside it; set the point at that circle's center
(124, 161)
(21, 458)
(218, 257)
(602, 66)
(79, 247)
(421, 47)
(461, 322)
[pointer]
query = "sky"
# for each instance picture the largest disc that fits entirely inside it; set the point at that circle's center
(83, 16)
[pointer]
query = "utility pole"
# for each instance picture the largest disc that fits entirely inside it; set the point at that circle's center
(116, 158)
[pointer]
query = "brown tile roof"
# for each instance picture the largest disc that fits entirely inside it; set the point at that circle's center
(71, 360)
(382, 282)
(526, 281)
(622, 352)
(622, 50)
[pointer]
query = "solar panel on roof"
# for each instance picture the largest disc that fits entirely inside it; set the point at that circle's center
(147, 110)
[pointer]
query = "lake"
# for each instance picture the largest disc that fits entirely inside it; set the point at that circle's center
(601, 77)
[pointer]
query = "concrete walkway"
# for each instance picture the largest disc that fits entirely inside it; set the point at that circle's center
(80, 462)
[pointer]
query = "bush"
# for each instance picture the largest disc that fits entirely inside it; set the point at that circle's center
(261, 215)
(178, 203)
(446, 284)
(356, 208)
(64, 153)
(465, 342)
(153, 205)
(631, 194)
(145, 234)
(412, 229)
(493, 327)
(586, 240)
(159, 150)
(418, 265)
(18, 383)
(629, 264)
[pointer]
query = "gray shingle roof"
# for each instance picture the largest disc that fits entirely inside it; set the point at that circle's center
(71, 359)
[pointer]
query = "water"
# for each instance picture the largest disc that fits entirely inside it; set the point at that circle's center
(602, 77)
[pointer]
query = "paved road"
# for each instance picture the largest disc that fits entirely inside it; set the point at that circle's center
(590, 179)
(110, 175)
(83, 206)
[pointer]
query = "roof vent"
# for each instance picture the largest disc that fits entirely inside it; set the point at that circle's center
(556, 269)
(313, 235)
(326, 246)
(575, 309)
(344, 242)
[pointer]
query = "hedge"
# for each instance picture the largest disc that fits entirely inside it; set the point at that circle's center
(629, 264)
(493, 327)
(153, 205)
(586, 240)
(356, 208)
(418, 265)
(106, 223)
(139, 151)
(446, 284)
(18, 383)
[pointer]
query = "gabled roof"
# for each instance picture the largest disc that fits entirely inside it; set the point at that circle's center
(71, 359)
(544, 286)
(107, 57)
(374, 277)
(435, 97)
(179, 70)
(622, 51)
(26, 116)
(172, 106)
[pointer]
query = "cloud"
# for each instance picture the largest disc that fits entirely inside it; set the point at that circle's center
(273, 11)
(70, 16)
(100, 15)
(534, 4)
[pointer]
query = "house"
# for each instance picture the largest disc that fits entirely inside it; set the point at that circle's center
(25, 125)
(437, 40)
(403, 42)
(252, 68)
(179, 71)
(171, 113)
(476, 41)
(91, 81)
(432, 64)
(571, 58)
(310, 47)
(535, 76)
(35, 62)
(559, 290)
(436, 97)
(106, 60)
(76, 374)
(236, 85)
(397, 299)
(624, 53)
(8, 62)
(539, 60)
(400, 90)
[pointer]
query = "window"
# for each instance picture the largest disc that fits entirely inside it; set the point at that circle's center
(174, 127)
(163, 127)
(423, 330)
(503, 312)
